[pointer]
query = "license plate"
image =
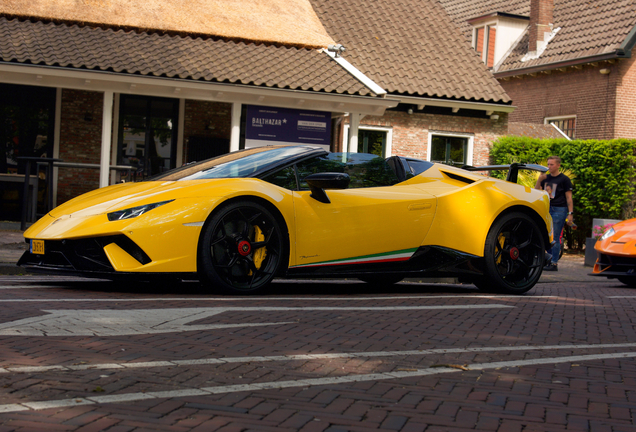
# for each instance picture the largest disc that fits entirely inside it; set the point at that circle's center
(37, 247)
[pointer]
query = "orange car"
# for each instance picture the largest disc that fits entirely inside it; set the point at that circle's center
(617, 253)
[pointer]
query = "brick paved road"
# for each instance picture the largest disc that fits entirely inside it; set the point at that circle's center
(96, 356)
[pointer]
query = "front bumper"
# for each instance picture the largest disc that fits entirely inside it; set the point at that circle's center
(81, 255)
(613, 266)
(87, 258)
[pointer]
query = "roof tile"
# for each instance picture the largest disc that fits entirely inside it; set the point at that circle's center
(533, 130)
(410, 48)
(130, 52)
(586, 28)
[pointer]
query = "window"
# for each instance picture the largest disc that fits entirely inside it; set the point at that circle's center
(365, 170)
(285, 178)
(233, 165)
(26, 125)
(484, 43)
(371, 139)
(479, 40)
(417, 166)
(147, 134)
(451, 149)
(567, 125)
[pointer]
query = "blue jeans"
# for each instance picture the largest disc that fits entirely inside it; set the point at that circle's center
(559, 215)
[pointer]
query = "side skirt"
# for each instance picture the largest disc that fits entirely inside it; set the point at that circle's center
(434, 261)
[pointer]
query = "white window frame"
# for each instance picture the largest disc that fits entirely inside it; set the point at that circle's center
(386, 151)
(546, 121)
(469, 145)
(486, 26)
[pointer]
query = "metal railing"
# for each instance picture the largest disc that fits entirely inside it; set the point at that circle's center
(49, 164)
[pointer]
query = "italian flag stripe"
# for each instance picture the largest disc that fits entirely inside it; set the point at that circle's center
(395, 256)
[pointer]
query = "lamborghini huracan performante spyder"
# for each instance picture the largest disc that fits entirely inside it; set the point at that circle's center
(237, 221)
(617, 253)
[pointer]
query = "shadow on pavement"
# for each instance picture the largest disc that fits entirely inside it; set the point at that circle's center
(278, 287)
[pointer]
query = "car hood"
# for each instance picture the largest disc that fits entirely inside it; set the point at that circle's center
(623, 242)
(624, 231)
(123, 196)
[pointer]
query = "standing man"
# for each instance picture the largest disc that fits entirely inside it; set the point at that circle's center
(559, 187)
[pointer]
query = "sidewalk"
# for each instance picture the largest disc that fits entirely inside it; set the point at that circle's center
(12, 246)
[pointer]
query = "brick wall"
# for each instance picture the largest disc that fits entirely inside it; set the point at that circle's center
(80, 141)
(584, 92)
(625, 122)
(410, 132)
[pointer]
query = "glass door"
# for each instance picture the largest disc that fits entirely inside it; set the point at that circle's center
(26, 125)
(27, 122)
(147, 134)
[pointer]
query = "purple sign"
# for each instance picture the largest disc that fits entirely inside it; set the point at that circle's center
(268, 126)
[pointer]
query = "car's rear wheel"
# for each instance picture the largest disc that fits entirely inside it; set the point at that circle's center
(513, 254)
(242, 248)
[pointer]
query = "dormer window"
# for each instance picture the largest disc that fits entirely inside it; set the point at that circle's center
(494, 34)
(484, 43)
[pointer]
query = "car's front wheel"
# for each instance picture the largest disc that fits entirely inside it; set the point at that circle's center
(242, 248)
(514, 255)
(629, 281)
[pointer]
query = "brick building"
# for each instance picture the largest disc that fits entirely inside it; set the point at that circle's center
(450, 110)
(561, 62)
(101, 87)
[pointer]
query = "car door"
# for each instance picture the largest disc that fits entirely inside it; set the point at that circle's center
(372, 221)
(361, 225)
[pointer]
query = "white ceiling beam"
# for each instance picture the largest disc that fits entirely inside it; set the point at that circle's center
(480, 106)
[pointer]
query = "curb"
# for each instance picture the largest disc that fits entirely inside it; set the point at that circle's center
(8, 269)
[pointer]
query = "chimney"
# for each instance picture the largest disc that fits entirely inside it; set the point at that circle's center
(541, 12)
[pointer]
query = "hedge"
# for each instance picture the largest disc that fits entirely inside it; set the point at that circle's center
(605, 175)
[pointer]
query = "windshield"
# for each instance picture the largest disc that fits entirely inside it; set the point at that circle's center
(238, 164)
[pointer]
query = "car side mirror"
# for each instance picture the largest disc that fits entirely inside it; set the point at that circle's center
(328, 180)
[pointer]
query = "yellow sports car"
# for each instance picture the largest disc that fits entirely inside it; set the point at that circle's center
(617, 253)
(237, 221)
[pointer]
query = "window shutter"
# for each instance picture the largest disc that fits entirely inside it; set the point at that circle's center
(490, 54)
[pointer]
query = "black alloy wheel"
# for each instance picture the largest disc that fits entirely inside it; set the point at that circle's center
(242, 249)
(514, 255)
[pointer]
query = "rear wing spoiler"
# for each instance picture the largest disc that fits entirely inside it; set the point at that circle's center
(513, 169)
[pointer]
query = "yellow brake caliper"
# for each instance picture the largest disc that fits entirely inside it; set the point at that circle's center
(259, 254)
(502, 240)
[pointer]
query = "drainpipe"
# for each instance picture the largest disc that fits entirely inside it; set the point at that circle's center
(625, 50)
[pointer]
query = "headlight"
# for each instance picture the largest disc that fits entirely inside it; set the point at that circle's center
(133, 212)
(607, 234)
